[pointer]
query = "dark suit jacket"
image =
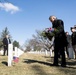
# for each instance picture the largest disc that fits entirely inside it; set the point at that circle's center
(6, 42)
(60, 37)
(73, 37)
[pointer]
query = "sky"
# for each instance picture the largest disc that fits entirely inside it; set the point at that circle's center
(24, 17)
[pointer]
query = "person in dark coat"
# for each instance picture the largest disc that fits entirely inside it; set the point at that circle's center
(73, 37)
(69, 43)
(60, 40)
(6, 41)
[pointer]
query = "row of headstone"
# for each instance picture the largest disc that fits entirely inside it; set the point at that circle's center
(50, 53)
(12, 55)
(1, 52)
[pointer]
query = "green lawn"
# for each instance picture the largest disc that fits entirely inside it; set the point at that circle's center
(36, 64)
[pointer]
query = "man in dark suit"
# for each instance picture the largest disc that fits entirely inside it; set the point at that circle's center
(6, 41)
(60, 40)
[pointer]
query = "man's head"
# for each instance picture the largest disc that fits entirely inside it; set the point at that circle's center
(67, 33)
(7, 36)
(52, 18)
(73, 29)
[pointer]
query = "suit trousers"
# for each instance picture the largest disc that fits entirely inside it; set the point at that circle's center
(5, 50)
(61, 51)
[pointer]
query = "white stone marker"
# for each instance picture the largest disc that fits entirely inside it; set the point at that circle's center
(51, 52)
(20, 52)
(46, 52)
(1, 52)
(16, 52)
(10, 54)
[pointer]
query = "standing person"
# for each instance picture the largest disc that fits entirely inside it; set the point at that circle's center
(6, 41)
(69, 43)
(60, 40)
(73, 37)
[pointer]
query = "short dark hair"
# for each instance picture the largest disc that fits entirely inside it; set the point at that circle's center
(51, 16)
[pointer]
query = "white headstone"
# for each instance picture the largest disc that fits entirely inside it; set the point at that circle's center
(10, 54)
(16, 52)
(46, 52)
(20, 52)
(51, 52)
(1, 52)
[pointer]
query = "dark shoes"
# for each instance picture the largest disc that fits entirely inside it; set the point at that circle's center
(63, 65)
(55, 65)
(58, 65)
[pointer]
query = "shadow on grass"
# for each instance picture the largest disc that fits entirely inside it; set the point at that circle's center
(5, 63)
(39, 70)
(29, 61)
(46, 56)
(71, 62)
(68, 61)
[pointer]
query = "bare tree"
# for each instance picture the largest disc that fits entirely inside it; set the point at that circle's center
(39, 42)
(44, 42)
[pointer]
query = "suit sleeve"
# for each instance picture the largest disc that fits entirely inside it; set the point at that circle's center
(59, 28)
(4, 43)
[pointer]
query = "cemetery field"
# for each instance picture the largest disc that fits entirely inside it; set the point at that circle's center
(36, 64)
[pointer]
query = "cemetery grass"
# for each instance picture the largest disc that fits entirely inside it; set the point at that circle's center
(36, 64)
